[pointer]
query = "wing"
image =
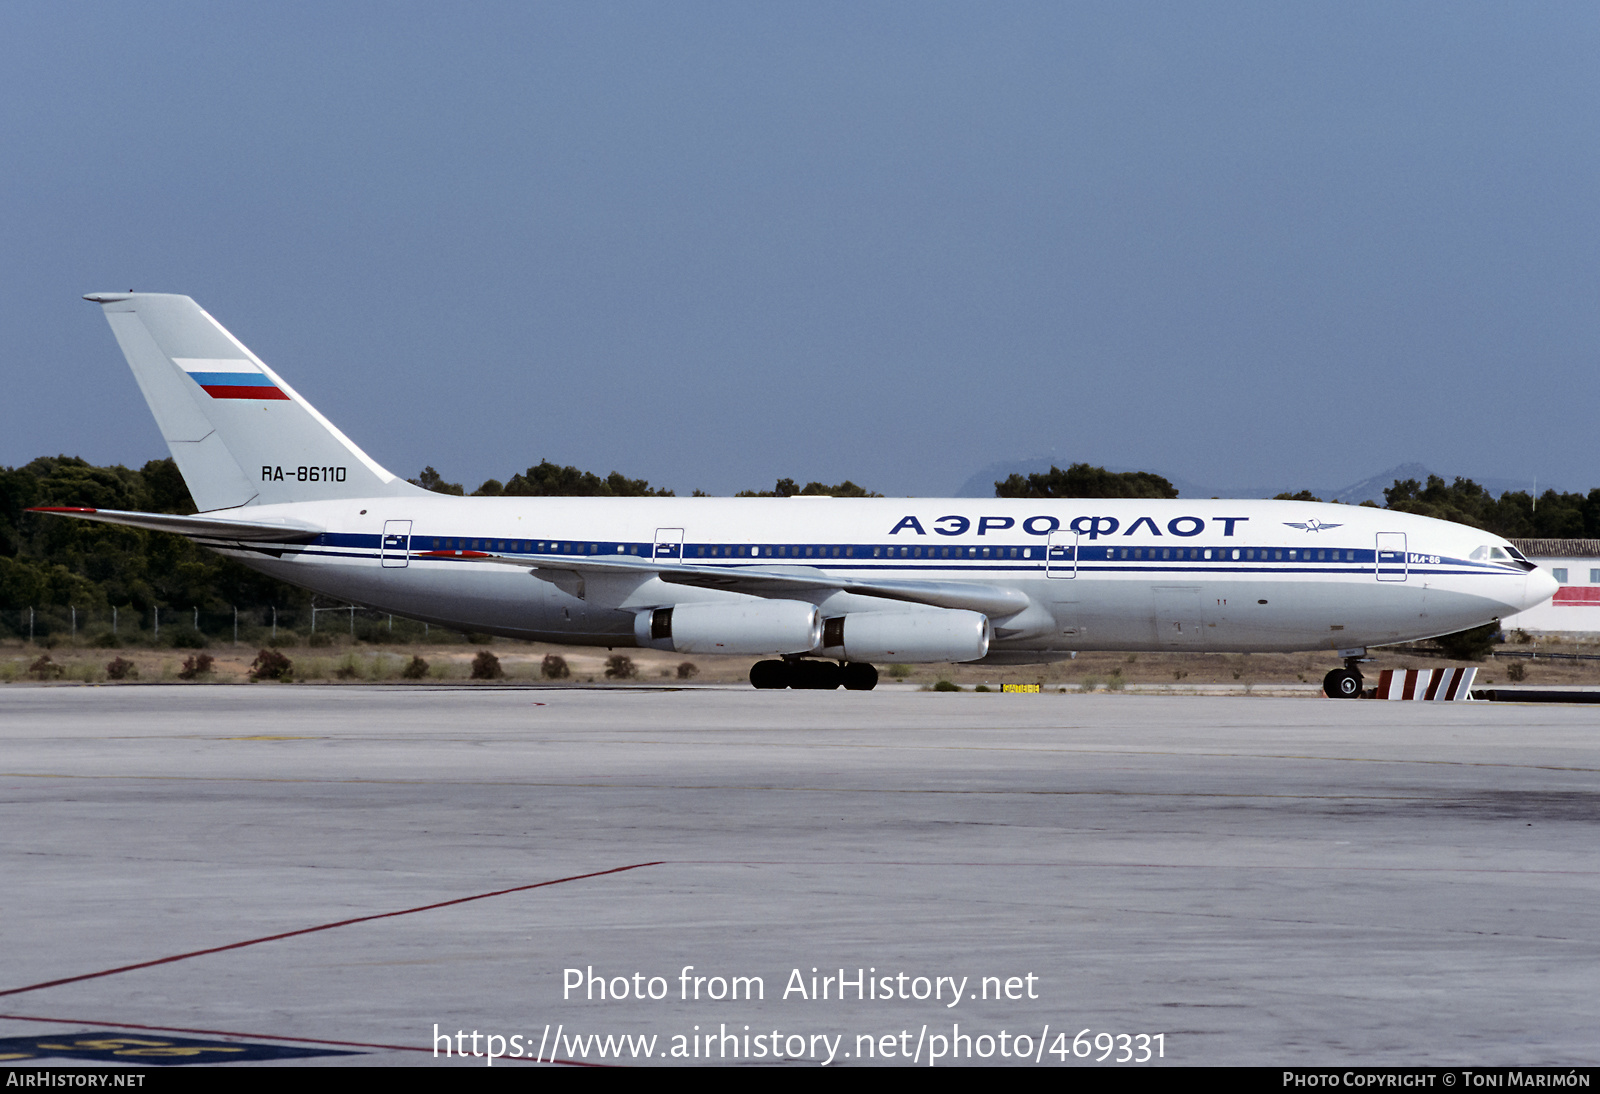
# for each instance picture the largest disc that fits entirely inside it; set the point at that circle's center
(777, 582)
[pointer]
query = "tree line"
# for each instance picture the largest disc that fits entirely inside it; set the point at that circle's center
(550, 480)
(50, 562)
(1515, 514)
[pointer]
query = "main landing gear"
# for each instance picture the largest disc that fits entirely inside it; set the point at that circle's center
(1343, 683)
(805, 674)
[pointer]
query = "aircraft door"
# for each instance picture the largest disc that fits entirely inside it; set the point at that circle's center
(668, 545)
(1391, 556)
(1061, 555)
(1177, 617)
(395, 550)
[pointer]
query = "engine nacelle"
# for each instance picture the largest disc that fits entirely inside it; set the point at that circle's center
(761, 626)
(908, 637)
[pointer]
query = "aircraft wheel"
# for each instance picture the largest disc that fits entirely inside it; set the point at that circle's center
(770, 675)
(815, 675)
(860, 676)
(1342, 684)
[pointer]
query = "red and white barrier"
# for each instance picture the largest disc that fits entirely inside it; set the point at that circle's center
(1426, 683)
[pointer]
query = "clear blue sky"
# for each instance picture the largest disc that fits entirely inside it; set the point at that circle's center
(714, 244)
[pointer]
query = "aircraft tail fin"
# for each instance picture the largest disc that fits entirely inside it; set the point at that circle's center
(239, 434)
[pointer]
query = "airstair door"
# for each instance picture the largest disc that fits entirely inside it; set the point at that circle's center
(395, 550)
(1061, 555)
(1392, 556)
(668, 545)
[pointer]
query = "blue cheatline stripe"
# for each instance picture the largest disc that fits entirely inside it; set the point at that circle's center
(868, 556)
(939, 566)
(370, 546)
(858, 555)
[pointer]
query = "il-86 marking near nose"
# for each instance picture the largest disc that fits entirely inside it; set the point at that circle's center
(820, 587)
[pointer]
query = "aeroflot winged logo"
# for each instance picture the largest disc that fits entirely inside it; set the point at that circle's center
(229, 378)
(1312, 525)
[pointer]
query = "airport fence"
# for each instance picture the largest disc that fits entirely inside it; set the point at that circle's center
(197, 628)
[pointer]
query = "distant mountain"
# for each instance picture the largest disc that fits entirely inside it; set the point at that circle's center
(1371, 489)
(981, 485)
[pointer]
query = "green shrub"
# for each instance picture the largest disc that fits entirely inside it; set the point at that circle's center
(185, 638)
(271, 665)
(121, 669)
(198, 665)
(1473, 645)
(417, 670)
(486, 666)
(554, 667)
(619, 667)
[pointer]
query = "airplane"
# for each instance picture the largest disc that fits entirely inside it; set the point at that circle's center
(820, 588)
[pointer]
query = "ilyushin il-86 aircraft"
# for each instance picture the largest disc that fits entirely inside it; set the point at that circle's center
(820, 588)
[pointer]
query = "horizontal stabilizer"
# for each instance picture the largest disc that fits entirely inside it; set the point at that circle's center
(205, 527)
(781, 582)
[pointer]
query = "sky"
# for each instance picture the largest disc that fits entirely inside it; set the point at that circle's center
(715, 244)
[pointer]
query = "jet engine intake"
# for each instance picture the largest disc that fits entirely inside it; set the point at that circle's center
(761, 626)
(949, 634)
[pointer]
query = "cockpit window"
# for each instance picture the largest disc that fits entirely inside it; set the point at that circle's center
(1479, 553)
(1507, 554)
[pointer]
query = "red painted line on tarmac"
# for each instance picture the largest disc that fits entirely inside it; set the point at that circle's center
(274, 1037)
(320, 927)
(1129, 865)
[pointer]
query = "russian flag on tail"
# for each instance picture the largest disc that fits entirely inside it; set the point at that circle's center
(230, 378)
(1426, 683)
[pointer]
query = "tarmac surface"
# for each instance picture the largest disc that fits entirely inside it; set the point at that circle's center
(1269, 881)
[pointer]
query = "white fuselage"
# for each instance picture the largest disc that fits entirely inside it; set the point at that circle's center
(1097, 574)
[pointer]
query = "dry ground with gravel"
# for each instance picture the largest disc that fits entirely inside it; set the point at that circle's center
(522, 663)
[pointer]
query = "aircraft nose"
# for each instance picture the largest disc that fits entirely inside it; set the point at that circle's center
(1538, 588)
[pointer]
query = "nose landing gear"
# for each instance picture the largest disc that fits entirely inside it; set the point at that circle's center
(1344, 683)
